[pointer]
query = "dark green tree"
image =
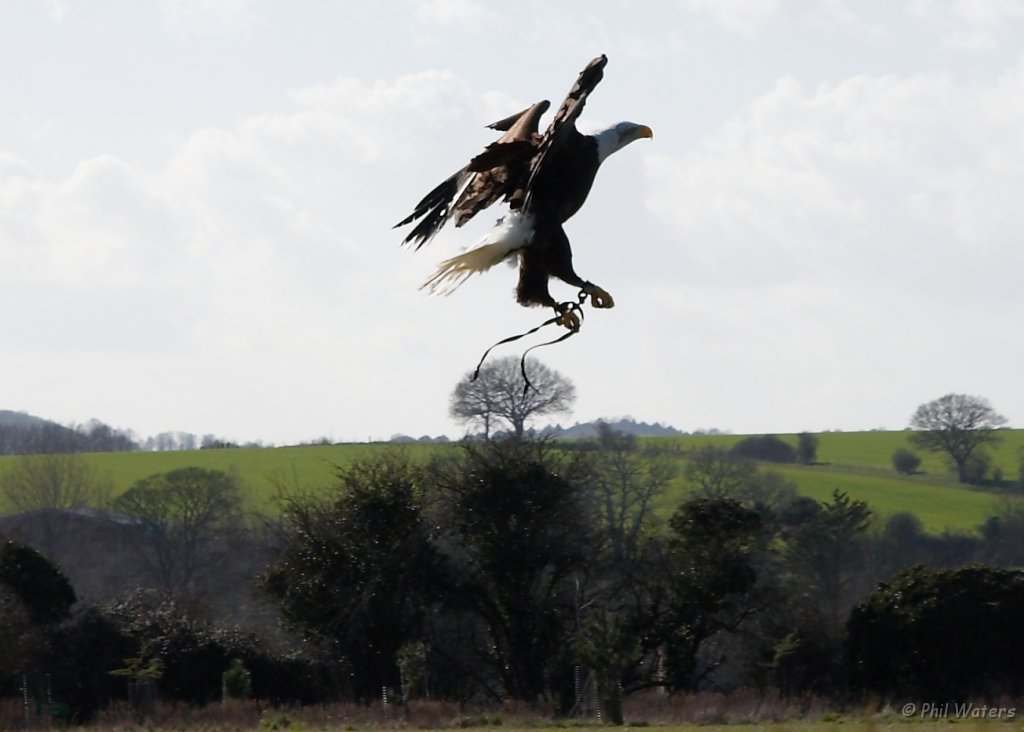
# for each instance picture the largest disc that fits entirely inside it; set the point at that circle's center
(950, 635)
(609, 644)
(827, 552)
(169, 639)
(82, 652)
(905, 462)
(521, 535)
(34, 598)
(357, 572)
(236, 681)
(766, 447)
(710, 581)
(902, 543)
(824, 570)
(807, 448)
(43, 590)
(19, 638)
(1003, 535)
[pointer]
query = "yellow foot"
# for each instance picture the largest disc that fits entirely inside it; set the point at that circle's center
(566, 315)
(599, 298)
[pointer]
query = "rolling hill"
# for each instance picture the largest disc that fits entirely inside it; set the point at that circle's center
(855, 462)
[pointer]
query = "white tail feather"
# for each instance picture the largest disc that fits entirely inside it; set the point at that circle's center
(512, 233)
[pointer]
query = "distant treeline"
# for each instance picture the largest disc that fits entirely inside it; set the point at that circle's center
(39, 437)
(23, 434)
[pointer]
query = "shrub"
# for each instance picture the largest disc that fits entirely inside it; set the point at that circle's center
(905, 461)
(807, 448)
(236, 681)
(43, 589)
(766, 447)
(977, 468)
(952, 634)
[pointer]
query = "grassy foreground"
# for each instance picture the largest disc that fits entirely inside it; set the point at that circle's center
(703, 712)
(837, 725)
(858, 463)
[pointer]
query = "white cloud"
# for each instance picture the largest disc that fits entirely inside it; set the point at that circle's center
(56, 9)
(257, 250)
(374, 120)
(243, 226)
(739, 16)
(466, 14)
(914, 172)
(748, 17)
(209, 17)
(971, 25)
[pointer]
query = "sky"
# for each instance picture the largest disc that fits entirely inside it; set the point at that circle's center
(196, 202)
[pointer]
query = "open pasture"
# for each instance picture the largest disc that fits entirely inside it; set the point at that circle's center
(857, 463)
(699, 712)
(872, 449)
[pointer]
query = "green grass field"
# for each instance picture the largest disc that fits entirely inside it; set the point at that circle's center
(264, 471)
(857, 463)
(705, 711)
(838, 725)
(860, 464)
(873, 449)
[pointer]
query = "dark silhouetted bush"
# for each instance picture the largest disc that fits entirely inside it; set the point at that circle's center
(905, 461)
(766, 447)
(953, 634)
(44, 590)
(807, 448)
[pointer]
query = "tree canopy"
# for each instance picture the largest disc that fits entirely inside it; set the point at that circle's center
(188, 517)
(957, 424)
(499, 396)
(42, 588)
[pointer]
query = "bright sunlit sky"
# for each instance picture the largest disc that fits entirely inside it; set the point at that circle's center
(196, 199)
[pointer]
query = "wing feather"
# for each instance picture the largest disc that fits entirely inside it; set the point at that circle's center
(563, 124)
(488, 177)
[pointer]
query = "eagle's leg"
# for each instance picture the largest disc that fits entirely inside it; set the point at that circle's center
(599, 297)
(565, 315)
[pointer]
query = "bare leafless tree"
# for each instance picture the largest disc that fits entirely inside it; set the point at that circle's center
(957, 424)
(188, 519)
(716, 472)
(498, 395)
(53, 482)
(628, 483)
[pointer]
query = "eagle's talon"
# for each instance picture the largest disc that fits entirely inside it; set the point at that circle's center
(566, 316)
(599, 297)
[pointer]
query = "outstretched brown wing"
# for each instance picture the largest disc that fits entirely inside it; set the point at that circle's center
(496, 172)
(562, 126)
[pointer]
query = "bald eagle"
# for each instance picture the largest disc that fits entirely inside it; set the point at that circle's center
(544, 179)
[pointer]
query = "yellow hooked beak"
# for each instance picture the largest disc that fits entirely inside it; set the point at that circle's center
(645, 131)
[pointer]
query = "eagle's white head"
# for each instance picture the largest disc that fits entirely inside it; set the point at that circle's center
(618, 136)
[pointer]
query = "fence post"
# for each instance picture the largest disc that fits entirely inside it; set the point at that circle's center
(24, 699)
